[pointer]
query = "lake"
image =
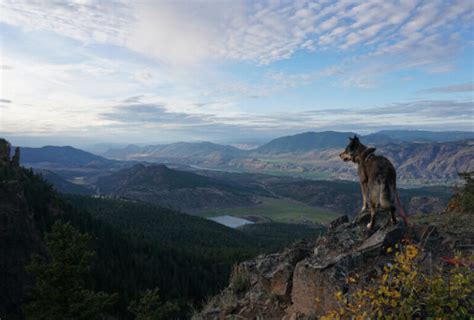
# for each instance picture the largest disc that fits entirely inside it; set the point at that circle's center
(230, 221)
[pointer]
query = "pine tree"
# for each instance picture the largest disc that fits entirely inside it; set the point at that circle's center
(150, 307)
(60, 290)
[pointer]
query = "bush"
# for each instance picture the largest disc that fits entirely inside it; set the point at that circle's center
(407, 291)
(240, 280)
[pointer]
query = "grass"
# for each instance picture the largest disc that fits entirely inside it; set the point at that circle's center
(278, 210)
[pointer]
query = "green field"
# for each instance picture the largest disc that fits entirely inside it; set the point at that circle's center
(278, 210)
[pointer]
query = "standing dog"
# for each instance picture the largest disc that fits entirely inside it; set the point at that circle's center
(377, 176)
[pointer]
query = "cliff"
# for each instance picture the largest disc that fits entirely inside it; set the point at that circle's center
(302, 281)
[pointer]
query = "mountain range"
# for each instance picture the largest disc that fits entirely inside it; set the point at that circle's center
(420, 156)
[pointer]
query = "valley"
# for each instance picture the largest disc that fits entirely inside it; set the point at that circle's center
(190, 223)
(295, 179)
(422, 157)
(277, 210)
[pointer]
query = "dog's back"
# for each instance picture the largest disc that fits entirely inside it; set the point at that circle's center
(382, 179)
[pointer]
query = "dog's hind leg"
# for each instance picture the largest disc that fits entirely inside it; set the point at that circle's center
(373, 212)
(363, 189)
(387, 201)
(392, 215)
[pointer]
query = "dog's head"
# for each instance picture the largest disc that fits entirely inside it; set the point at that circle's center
(350, 153)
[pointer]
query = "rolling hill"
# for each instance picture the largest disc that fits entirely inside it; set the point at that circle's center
(69, 163)
(176, 189)
(62, 156)
(181, 152)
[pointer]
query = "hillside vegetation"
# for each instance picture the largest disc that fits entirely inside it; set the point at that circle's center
(138, 246)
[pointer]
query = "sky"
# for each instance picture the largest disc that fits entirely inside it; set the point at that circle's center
(86, 72)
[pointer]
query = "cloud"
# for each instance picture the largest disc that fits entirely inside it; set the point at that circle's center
(425, 109)
(427, 114)
(133, 99)
(463, 87)
(262, 32)
(153, 113)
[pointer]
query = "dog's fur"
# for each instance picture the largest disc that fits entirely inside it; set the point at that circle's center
(377, 176)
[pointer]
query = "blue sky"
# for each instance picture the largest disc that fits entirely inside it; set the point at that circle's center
(82, 72)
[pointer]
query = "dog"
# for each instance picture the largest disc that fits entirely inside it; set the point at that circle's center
(378, 179)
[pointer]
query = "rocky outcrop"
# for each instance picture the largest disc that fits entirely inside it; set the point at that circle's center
(5, 150)
(16, 158)
(301, 281)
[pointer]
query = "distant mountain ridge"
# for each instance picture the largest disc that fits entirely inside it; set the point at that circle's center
(306, 141)
(175, 150)
(302, 142)
(66, 155)
(181, 190)
(420, 156)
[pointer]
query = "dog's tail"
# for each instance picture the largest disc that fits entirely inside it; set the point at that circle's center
(400, 208)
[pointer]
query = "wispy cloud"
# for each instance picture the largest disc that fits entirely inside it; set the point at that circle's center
(463, 87)
(263, 32)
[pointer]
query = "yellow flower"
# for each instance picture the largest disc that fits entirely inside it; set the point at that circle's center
(412, 251)
(389, 249)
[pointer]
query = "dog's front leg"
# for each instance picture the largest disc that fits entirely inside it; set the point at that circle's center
(363, 188)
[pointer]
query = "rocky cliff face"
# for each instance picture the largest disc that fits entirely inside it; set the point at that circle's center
(301, 282)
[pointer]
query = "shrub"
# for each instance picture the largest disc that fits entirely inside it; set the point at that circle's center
(405, 290)
(240, 280)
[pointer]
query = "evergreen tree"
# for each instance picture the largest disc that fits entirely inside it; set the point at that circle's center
(150, 307)
(60, 290)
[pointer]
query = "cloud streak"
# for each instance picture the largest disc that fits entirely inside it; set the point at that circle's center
(463, 87)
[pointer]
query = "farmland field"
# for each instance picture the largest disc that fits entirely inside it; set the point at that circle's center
(277, 210)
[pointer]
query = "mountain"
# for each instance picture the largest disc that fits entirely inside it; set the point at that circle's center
(418, 136)
(316, 141)
(176, 189)
(69, 163)
(431, 161)
(182, 152)
(122, 153)
(416, 163)
(304, 142)
(62, 156)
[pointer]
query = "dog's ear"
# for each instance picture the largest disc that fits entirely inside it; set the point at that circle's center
(350, 139)
(355, 138)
